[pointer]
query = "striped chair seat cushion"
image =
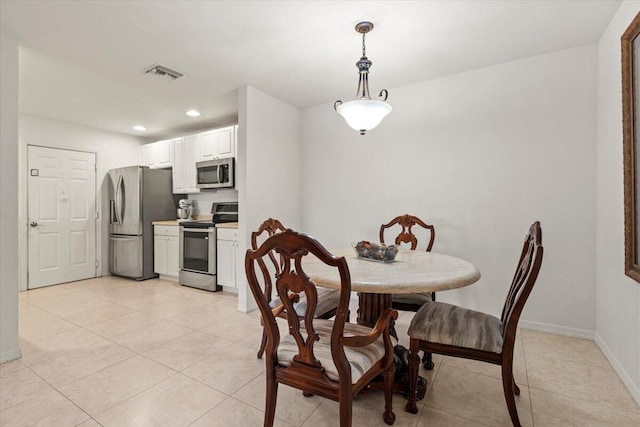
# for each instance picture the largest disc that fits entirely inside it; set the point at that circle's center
(327, 300)
(361, 359)
(438, 322)
(416, 299)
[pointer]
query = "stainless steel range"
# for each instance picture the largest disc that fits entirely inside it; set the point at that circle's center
(198, 248)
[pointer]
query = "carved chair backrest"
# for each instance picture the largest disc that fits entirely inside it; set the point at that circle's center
(292, 281)
(523, 281)
(406, 235)
(268, 228)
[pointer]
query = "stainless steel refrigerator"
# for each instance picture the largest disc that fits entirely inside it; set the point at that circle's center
(137, 196)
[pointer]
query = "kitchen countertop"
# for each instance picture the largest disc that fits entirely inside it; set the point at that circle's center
(175, 223)
(171, 222)
(228, 225)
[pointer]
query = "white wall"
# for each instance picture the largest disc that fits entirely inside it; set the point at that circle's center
(480, 155)
(617, 296)
(268, 171)
(9, 349)
(113, 150)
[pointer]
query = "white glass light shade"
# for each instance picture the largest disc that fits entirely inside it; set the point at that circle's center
(363, 114)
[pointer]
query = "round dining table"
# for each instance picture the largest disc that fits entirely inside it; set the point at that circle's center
(376, 281)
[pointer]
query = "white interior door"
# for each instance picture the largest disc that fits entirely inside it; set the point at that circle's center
(62, 216)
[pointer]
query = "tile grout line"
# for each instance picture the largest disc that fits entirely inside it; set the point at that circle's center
(442, 410)
(205, 384)
(134, 395)
(261, 410)
(53, 389)
(526, 370)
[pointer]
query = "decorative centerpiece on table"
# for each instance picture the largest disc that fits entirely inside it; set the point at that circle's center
(372, 251)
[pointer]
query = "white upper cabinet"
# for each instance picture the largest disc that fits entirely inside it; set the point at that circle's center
(218, 143)
(186, 152)
(164, 154)
(208, 145)
(158, 154)
(147, 155)
(192, 151)
(179, 166)
(183, 153)
(226, 142)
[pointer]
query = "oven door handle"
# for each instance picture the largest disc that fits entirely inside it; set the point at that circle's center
(197, 230)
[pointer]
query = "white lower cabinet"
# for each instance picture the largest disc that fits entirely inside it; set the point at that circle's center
(166, 250)
(173, 256)
(227, 250)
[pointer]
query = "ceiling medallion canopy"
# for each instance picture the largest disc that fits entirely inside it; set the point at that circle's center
(363, 113)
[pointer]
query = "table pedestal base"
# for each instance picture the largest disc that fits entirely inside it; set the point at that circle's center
(401, 379)
(370, 307)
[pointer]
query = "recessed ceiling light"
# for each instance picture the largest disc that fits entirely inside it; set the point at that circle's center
(140, 128)
(193, 113)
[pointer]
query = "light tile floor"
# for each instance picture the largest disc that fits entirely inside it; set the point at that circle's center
(114, 352)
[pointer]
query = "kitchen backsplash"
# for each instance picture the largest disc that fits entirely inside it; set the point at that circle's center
(201, 202)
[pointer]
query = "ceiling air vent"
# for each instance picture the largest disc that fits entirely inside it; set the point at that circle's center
(164, 72)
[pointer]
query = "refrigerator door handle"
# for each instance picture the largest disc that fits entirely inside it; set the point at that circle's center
(112, 211)
(119, 201)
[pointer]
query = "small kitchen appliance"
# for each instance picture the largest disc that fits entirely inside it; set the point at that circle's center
(184, 209)
(217, 173)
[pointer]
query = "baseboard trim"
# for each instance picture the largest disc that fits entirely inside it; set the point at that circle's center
(556, 329)
(10, 355)
(624, 376)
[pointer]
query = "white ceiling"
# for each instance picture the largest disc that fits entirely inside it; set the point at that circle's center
(82, 61)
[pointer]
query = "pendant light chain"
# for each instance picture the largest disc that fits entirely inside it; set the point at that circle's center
(364, 48)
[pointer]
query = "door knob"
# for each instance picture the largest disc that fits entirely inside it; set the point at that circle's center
(34, 224)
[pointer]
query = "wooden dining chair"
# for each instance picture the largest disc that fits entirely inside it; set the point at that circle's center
(330, 358)
(327, 298)
(455, 331)
(411, 302)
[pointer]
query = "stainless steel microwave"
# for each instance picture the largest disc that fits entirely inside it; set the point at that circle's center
(215, 173)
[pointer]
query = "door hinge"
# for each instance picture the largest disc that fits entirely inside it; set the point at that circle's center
(96, 263)
(97, 214)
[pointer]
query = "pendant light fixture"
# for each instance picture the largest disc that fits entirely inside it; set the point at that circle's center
(363, 113)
